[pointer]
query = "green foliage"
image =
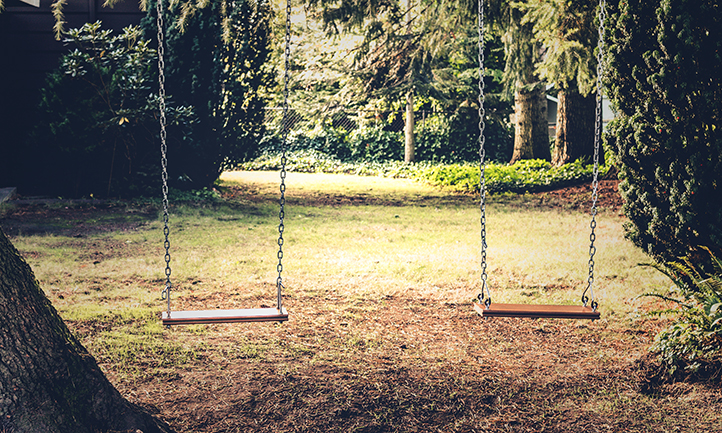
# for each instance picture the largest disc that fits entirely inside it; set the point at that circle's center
(432, 141)
(664, 68)
(312, 161)
(523, 176)
(568, 32)
(325, 139)
(196, 195)
(464, 134)
(97, 117)
(215, 62)
(376, 144)
(456, 139)
(693, 343)
(449, 138)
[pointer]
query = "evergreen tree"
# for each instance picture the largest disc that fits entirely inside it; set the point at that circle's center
(420, 53)
(393, 61)
(215, 63)
(664, 68)
(522, 52)
(569, 33)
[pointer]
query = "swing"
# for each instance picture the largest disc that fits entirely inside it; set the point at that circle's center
(277, 314)
(483, 305)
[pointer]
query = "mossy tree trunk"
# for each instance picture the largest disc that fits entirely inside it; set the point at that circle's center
(48, 380)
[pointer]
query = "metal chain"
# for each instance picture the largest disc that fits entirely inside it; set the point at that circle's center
(597, 142)
(282, 200)
(486, 299)
(163, 149)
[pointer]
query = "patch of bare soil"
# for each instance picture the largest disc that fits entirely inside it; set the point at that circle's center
(580, 196)
(572, 197)
(423, 366)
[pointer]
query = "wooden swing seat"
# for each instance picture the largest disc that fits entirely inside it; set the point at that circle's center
(225, 316)
(537, 311)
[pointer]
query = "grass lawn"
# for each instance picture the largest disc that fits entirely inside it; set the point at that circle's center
(379, 276)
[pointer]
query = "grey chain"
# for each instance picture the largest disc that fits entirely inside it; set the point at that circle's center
(486, 299)
(597, 141)
(163, 149)
(282, 200)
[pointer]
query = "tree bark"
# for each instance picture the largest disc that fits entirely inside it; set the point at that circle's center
(540, 131)
(48, 381)
(410, 145)
(575, 127)
(531, 136)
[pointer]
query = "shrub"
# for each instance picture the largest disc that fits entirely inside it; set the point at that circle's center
(372, 143)
(665, 63)
(523, 176)
(324, 139)
(216, 63)
(97, 126)
(692, 345)
(464, 137)
(432, 141)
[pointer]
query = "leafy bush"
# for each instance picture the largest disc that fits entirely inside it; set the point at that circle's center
(432, 141)
(452, 139)
(376, 144)
(664, 68)
(322, 138)
(523, 176)
(464, 137)
(693, 343)
(312, 161)
(97, 126)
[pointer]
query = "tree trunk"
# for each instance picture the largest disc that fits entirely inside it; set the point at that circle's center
(410, 146)
(540, 132)
(531, 136)
(48, 382)
(575, 127)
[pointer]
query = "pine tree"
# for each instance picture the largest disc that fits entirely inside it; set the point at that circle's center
(664, 68)
(394, 60)
(568, 33)
(216, 63)
(531, 136)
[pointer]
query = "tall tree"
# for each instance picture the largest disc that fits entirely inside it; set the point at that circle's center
(664, 67)
(568, 33)
(394, 60)
(216, 63)
(409, 122)
(48, 380)
(522, 52)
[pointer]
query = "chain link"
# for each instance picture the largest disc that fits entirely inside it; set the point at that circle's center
(597, 141)
(485, 298)
(163, 149)
(286, 127)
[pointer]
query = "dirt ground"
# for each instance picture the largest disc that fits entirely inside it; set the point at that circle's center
(398, 364)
